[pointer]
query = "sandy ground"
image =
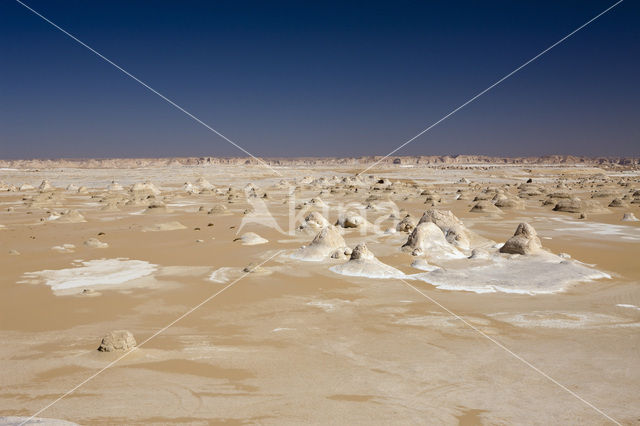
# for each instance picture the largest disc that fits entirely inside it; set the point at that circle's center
(293, 342)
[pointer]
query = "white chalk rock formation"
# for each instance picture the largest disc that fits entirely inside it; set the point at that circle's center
(314, 221)
(576, 205)
(617, 202)
(45, 186)
(508, 202)
(317, 202)
(114, 187)
(428, 238)
(95, 243)
(363, 263)
(251, 239)
(485, 206)
(432, 197)
(146, 187)
(525, 241)
(71, 216)
(204, 184)
(324, 244)
(406, 225)
(156, 207)
(218, 209)
(454, 230)
(26, 187)
(351, 220)
(118, 340)
(64, 248)
(189, 188)
(479, 253)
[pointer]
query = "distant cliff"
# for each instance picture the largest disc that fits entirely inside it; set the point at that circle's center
(124, 163)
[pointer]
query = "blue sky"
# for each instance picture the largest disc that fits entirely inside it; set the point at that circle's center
(318, 79)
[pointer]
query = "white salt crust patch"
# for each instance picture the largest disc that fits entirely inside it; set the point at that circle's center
(222, 275)
(91, 273)
(327, 307)
(624, 305)
(368, 268)
(15, 420)
(536, 274)
(543, 273)
(629, 233)
(557, 319)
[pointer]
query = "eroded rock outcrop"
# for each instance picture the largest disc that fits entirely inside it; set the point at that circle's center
(314, 221)
(524, 241)
(428, 238)
(351, 220)
(117, 341)
(251, 239)
(577, 205)
(362, 263)
(485, 206)
(407, 224)
(453, 229)
(323, 245)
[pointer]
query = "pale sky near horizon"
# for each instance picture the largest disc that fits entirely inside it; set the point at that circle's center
(318, 79)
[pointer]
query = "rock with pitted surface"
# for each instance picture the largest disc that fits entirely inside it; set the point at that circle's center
(428, 238)
(314, 221)
(363, 263)
(144, 188)
(204, 184)
(577, 205)
(117, 341)
(351, 220)
(406, 225)
(485, 206)
(45, 186)
(617, 202)
(454, 230)
(325, 243)
(251, 239)
(71, 216)
(361, 251)
(524, 241)
(506, 202)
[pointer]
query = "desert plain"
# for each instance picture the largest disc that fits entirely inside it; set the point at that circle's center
(306, 292)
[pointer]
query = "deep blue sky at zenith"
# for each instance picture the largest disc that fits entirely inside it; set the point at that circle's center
(318, 78)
